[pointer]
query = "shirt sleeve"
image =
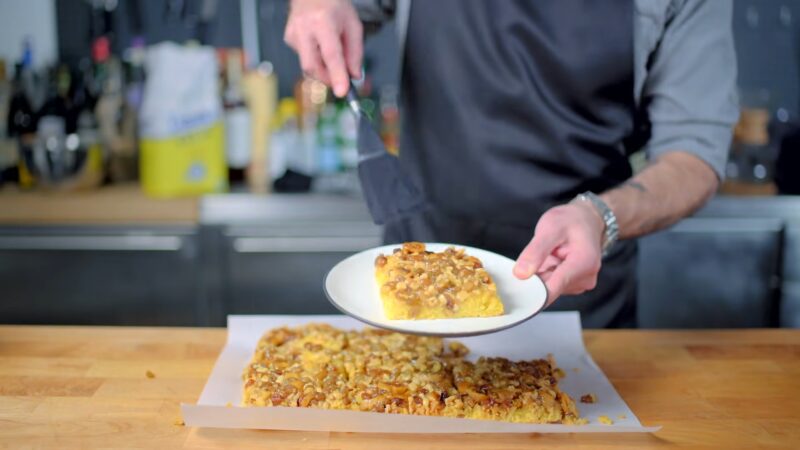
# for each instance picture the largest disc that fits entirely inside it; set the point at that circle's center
(690, 89)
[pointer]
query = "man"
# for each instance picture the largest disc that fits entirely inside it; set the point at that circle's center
(519, 117)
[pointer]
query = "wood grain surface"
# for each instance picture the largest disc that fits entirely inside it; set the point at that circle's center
(88, 387)
(117, 204)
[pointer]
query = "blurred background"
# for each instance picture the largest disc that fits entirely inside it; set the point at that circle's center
(163, 162)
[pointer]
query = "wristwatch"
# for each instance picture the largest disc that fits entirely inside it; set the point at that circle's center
(612, 229)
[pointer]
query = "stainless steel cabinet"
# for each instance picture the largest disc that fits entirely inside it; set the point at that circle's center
(736, 263)
(711, 273)
(280, 269)
(790, 287)
(272, 253)
(100, 275)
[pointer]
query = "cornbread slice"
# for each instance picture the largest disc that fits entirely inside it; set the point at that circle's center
(499, 389)
(320, 366)
(417, 284)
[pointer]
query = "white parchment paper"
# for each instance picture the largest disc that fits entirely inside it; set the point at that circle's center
(558, 333)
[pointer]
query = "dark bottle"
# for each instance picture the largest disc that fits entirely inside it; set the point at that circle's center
(59, 100)
(21, 125)
(21, 120)
(80, 97)
(237, 119)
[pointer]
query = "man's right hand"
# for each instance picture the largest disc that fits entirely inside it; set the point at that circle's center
(327, 35)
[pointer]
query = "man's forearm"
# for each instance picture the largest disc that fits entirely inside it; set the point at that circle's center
(672, 187)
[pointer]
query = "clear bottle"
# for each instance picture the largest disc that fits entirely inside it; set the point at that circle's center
(310, 96)
(348, 137)
(328, 161)
(285, 140)
(135, 77)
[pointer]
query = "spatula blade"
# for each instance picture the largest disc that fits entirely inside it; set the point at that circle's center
(390, 194)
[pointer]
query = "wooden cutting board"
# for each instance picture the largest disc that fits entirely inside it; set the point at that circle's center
(113, 387)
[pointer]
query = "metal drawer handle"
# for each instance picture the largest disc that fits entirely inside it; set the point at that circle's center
(303, 244)
(93, 243)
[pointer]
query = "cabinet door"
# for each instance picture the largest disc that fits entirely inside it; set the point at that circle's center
(99, 275)
(708, 273)
(790, 291)
(281, 271)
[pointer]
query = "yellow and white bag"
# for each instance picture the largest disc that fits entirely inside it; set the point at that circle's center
(182, 137)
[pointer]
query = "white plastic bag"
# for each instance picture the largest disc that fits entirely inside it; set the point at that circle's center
(181, 94)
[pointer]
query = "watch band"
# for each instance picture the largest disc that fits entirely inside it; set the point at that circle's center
(612, 228)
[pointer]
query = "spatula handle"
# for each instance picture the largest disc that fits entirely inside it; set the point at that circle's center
(353, 101)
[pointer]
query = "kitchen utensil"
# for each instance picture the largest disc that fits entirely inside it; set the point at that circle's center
(351, 287)
(389, 193)
(62, 161)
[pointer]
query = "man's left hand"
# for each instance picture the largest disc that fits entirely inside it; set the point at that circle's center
(566, 250)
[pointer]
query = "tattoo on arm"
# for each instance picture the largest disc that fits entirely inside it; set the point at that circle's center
(635, 184)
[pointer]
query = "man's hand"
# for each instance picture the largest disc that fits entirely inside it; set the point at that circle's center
(566, 250)
(327, 35)
(566, 247)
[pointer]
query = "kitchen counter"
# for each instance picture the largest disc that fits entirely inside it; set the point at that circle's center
(70, 387)
(123, 204)
(126, 204)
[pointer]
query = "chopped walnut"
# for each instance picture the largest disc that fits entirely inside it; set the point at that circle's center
(380, 261)
(420, 277)
(319, 366)
(458, 349)
(605, 420)
(588, 398)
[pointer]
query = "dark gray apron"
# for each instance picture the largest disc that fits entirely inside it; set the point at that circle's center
(510, 108)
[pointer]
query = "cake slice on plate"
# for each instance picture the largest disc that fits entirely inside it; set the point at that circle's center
(418, 284)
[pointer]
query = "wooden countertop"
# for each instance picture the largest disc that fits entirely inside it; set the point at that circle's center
(86, 387)
(117, 204)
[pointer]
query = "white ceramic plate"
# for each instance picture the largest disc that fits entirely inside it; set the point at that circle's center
(351, 287)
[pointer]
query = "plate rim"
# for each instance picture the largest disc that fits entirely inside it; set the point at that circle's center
(422, 333)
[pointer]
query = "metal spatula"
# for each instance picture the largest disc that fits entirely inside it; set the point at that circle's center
(389, 193)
